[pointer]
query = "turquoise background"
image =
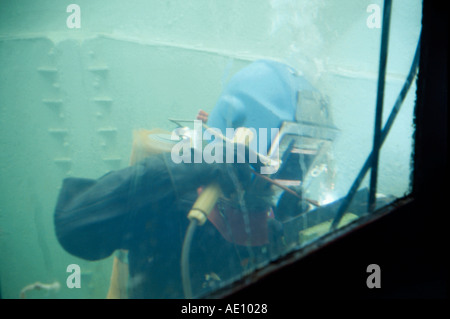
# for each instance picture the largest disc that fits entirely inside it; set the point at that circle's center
(71, 98)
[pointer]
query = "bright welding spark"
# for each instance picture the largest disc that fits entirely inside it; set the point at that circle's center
(329, 198)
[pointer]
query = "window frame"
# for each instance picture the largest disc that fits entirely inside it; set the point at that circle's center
(417, 210)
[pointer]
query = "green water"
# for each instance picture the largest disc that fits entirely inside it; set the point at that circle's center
(71, 98)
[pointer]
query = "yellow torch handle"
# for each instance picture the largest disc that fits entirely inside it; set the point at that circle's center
(205, 203)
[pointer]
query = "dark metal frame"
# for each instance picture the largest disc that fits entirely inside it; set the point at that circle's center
(405, 238)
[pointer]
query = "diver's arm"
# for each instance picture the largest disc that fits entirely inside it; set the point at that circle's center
(93, 218)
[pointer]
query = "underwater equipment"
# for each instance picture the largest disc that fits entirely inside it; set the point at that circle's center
(367, 165)
(198, 216)
(301, 142)
(147, 143)
(280, 98)
(269, 94)
(205, 203)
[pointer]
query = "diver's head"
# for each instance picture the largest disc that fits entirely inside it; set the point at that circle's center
(261, 96)
(285, 111)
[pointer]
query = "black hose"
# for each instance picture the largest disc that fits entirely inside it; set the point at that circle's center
(380, 98)
(185, 272)
(398, 103)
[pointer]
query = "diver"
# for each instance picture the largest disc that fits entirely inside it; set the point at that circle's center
(142, 208)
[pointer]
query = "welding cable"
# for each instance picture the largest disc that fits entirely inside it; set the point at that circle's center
(185, 270)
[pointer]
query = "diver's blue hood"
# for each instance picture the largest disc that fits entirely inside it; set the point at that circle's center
(262, 95)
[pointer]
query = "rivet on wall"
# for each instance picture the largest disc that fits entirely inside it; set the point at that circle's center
(107, 131)
(55, 104)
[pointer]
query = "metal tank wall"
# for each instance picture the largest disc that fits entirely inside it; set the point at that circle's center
(70, 98)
